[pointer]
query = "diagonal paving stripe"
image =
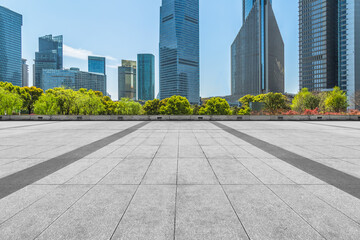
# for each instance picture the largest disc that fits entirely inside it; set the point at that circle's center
(336, 178)
(21, 179)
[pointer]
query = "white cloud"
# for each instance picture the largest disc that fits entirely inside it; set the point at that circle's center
(81, 53)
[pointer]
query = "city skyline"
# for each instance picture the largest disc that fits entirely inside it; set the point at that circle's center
(215, 38)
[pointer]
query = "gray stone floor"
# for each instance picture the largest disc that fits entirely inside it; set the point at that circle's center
(180, 180)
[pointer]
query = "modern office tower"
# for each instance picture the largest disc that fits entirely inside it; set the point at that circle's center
(257, 54)
(179, 49)
(25, 73)
(97, 64)
(318, 44)
(10, 46)
(127, 79)
(145, 77)
(349, 50)
(50, 56)
(74, 79)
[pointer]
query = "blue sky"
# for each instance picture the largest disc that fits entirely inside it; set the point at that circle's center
(120, 29)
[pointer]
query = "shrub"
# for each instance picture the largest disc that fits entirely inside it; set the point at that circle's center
(128, 107)
(152, 107)
(274, 102)
(336, 101)
(9, 102)
(244, 111)
(305, 100)
(311, 111)
(215, 106)
(290, 112)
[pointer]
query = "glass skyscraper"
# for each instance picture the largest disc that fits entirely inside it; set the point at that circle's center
(50, 56)
(25, 73)
(73, 79)
(127, 80)
(97, 64)
(179, 49)
(10, 47)
(257, 53)
(330, 46)
(145, 77)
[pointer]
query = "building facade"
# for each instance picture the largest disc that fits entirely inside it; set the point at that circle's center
(74, 79)
(127, 80)
(179, 49)
(318, 44)
(145, 77)
(329, 47)
(25, 73)
(10, 47)
(50, 56)
(257, 53)
(97, 64)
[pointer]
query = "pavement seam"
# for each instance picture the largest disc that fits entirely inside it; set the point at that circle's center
(177, 180)
(24, 126)
(222, 187)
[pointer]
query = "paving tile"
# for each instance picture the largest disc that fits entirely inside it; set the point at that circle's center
(195, 171)
(95, 216)
(190, 152)
(204, 212)
(331, 223)
(29, 223)
(150, 214)
(265, 216)
(162, 171)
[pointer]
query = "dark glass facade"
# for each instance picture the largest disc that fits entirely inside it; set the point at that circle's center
(318, 44)
(145, 77)
(127, 80)
(257, 54)
(73, 79)
(25, 73)
(50, 56)
(179, 49)
(10, 47)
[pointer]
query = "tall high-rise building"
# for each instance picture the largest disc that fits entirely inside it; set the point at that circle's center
(349, 50)
(73, 78)
(329, 47)
(179, 49)
(318, 44)
(127, 80)
(25, 73)
(257, 54)
(10, 46)
(145, 77)
(50, 56)
(97, 64)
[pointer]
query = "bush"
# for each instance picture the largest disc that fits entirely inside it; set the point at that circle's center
(305, 100)
(274, 102)
(336, 101)
(152, 107)
(215, 106)
(175, 105)
(244, 111)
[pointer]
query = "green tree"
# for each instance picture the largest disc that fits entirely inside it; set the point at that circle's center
(30, 95)
(128, 107)
(246, 100)
(215, 106)
(9, 102)
(336, 101)
(152, 107)
(175, 105)
(46, 105)
(109, 106)
(88, 103)
(275, 102)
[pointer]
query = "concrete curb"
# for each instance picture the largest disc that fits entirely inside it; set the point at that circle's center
(178, 118)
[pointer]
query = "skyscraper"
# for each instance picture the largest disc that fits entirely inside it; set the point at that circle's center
(329, 48)
(145, 77)
(50, 56)
(25, 73)
(97, 64)
(257, 54)
(10, 46)
(349, 50)
(127, 80)
(318, 44)
(179, 49)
